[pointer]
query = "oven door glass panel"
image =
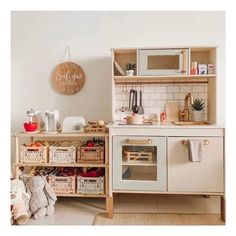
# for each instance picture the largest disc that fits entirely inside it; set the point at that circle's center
(139, 163)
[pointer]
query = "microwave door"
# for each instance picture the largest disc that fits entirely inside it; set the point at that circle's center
(161, 62)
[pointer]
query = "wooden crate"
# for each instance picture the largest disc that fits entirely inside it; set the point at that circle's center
(94, 128)
(62, 184)
(33, 154)
(62, 154)
(139, 156)
(90, 154)
(90, 185)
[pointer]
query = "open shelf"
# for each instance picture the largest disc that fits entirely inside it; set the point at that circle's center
(60, 135)
(163, 79)
(163, 76)
(81, 195)
(141, 163)
(62, 164)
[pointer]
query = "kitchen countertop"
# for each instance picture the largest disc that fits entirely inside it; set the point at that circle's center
(166, 125)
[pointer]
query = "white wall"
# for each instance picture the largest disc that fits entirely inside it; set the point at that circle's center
(40, 38)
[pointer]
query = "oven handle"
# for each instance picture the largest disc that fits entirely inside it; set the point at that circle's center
(138, 141)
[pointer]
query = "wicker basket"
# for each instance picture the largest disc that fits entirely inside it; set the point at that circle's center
(33, 154)
(62, 184)
(90, 185)
(62, 154)
(90, 154)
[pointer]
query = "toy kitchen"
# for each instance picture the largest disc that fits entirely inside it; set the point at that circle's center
(164, 138)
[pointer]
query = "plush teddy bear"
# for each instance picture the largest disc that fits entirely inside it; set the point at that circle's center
(42, 197)
(19, 202)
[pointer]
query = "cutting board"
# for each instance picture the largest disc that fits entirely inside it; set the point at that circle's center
(172, 111)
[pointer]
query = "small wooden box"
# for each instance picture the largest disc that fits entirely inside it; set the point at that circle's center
(33, 154)
(62, 184)
(95, 128)
(90, 154)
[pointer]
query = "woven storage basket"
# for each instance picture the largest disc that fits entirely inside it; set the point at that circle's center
(62, 154)
(62, 184)
(33, 154)
(90, 185)
(90, 154)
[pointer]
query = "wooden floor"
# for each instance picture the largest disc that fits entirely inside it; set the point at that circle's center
(158, 219)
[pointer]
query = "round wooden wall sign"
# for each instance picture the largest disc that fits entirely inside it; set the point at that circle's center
(68, 78)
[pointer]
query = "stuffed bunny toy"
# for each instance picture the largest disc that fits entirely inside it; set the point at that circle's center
(19, 202)
(42, 197)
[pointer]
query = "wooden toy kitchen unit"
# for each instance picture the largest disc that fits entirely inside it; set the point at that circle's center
(154, 158)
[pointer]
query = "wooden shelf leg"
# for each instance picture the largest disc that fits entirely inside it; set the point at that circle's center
(109, 204)
(17, 160)
(222, 208)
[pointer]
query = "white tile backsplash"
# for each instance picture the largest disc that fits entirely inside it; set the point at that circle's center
(173, 89)
(186, 89)
(156, 96)
(149, 89)
(179, 95)
(202, 95)
(166, 96)
(198, 88)
(161, 89)
(160, 103)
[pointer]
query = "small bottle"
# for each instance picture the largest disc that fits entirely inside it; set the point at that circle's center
(158, 117)
(193, 70)
(163, 117)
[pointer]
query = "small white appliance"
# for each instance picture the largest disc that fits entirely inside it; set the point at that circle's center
(163, 61)
(73, 124)
(52, 124)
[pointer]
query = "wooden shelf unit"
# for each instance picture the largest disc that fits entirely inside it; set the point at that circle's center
(21, 137)
(203, 55)
(200, 54)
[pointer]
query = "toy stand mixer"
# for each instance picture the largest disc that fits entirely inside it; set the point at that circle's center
(35, 123)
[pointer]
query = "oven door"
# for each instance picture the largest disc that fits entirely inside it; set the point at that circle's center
(162, 62)
(139, 163)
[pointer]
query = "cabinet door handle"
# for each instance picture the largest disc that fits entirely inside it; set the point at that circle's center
(138, 141)
(205, 142)
(184, 61)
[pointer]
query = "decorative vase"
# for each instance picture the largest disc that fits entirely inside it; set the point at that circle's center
(129, 72)
(198, 115)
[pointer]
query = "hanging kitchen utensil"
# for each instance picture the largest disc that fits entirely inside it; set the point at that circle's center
(135, 107)
(140, 107)
(131, 95)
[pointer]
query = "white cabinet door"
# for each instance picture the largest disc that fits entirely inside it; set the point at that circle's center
(139, 163)
(204, 176)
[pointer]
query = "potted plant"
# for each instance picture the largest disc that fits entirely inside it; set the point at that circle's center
(130, 68)
(198, 113)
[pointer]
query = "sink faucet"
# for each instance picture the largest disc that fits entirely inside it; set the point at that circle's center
(184, 115)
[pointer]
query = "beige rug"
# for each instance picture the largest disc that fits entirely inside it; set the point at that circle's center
(158, 219)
